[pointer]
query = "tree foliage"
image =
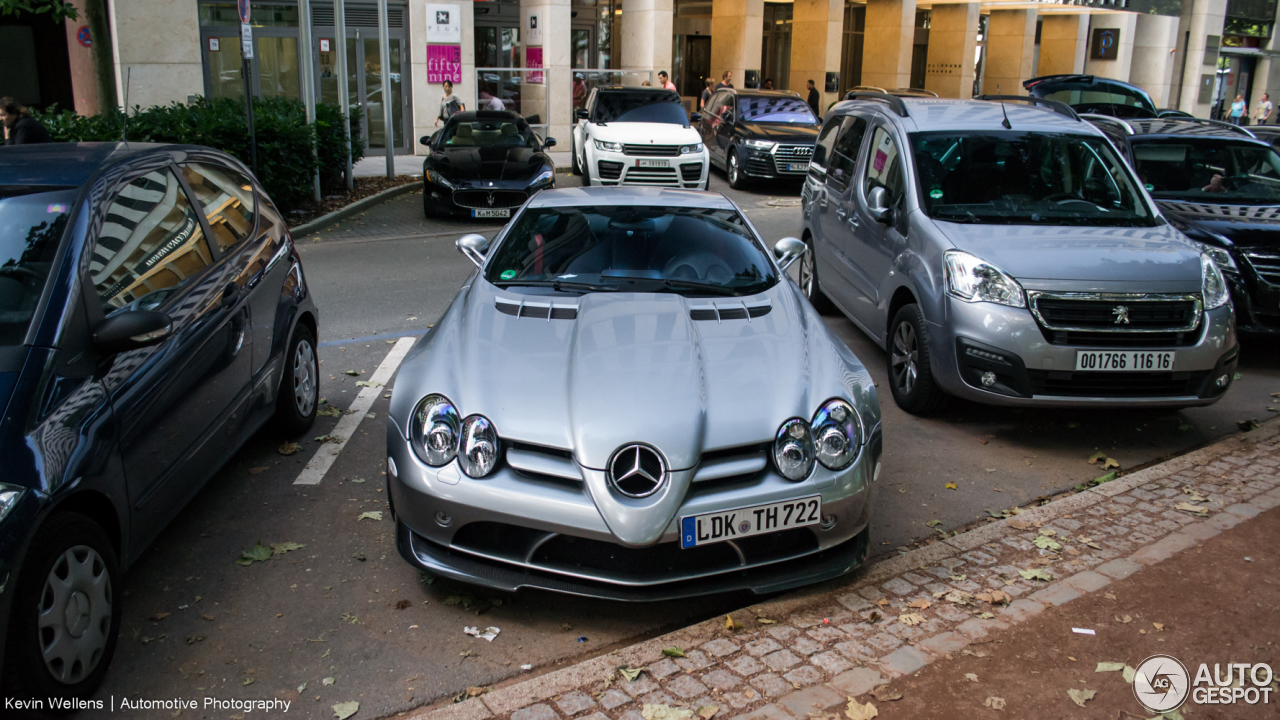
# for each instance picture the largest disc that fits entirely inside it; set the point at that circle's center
(57, 10)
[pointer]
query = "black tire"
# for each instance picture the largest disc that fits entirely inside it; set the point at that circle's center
(737, 179)
(911, 365)
(298, 383)
(69, 548)
(809, 281)
(586, 169)
(573, 163)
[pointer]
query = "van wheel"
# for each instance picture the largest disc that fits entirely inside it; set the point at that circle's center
(66, 613)
(910, 365)
(299, 392)
(737, 180)
(809, 281)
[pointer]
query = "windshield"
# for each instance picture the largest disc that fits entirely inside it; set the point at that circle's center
(488, 133)
(692, 251)
(1208, 169)
(659, 106)
(31, 224)
(775, 110)
(1017, 178)
(1096, 96)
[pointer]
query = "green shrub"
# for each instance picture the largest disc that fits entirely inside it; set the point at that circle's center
(287, 146)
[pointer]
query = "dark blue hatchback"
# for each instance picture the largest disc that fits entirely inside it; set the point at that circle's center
(153, 316)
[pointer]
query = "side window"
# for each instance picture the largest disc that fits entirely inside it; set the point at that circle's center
(151, 244)
(826, 141)
(227, 198)
(885, 167)
(716, 105)
(844, 156)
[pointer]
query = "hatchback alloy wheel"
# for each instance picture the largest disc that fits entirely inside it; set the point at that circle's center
(74, 614)
(304, 378)
(905, 359)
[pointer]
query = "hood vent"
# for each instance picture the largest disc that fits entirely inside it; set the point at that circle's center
(724, 311)
(537, 310)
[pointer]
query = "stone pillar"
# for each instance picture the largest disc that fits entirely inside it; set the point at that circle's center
(1011, 46)
(1154, 39)
(817, 27)
(552, 99)
(84, 78)
(1063, 44)
(1200, 19)
(1118, 69)
(646, 36)
(953, 41)
(889, 40)
(737, 36)
(426, 96)
(158, 72)
(1266, 79)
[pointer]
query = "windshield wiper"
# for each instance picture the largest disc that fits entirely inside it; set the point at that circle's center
(701, 286)
(561, 285)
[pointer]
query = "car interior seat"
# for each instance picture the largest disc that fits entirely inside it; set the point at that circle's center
(462, 136)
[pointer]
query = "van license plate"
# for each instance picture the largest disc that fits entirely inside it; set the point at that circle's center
(708, 528)
(653, 163)
(1124, 360)
(492, 212)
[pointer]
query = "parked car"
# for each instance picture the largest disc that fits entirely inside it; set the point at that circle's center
(758, 134)
(637, 136)
(1220, 185)
(577, 420)
(484, 164)
(1098, 95)
(153, 316)
(1009, 257)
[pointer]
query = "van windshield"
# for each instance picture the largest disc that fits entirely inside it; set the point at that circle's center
(1208, 170)
(32, 220)
(1025, 178)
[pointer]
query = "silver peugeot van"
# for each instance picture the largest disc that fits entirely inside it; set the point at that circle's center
(1001, 251)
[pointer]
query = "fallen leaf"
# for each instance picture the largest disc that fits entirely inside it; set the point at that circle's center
(858, 711)
(1128, 673)
(404, 604)
(284, 547)
(665, 712)
(630, 673)
(766, 621)
(249, 681)
(971, 677)
(958, 597)
(1000, 597)
(934, 523)
(352, 373)
(207, 617)
(873, 618)
(327, 681)
(1110, 463)
(346, 710)
(1094, 458)
(706, 712)
(302, 687)
(884, 693)
(371, 515)
(882, 602)
(159, 616)
(1109, 667)
(958, 578)
(328, 411)
(1158, 626)
(322, 439)
(731, 624)
(257, 553)
(920, 604)
(1080, 697)
(289, 448)
(673, 651)
(1045, 542)
(1050, 532)
(363, 383)
(1187, 507)
(1035, 574)
(911, 619)
(949, 486)
(995, 703)
(985, 616)
(1104, 478)
(193, 639)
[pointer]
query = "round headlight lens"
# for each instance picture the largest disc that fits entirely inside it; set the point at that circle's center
(836, 434)
(478, 452)
(436, 427)
(793, 449)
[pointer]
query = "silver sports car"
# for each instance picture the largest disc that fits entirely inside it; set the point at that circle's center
(630, 399)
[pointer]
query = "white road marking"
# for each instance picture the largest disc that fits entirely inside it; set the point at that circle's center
(320, 463)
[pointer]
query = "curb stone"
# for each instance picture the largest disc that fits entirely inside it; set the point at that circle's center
(1125, 537)
(360, 205)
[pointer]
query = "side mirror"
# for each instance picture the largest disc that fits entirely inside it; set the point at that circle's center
(788, 250)
(131, 330)
(425, 139)
(474, 246)
(549, 142)
(581, 114)
(878, 206)
(696, 117)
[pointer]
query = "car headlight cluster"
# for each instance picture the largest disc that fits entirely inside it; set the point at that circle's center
(1220, 257)
(972, 279)
(435, 177)
(608, 146)
(832, 438)
(686, 149)
(759, 144)
(544, 177)
(439, 434)
(1213, 284)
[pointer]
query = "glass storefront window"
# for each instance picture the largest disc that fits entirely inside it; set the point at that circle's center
(225, 80)
(278, 67)
(259, 15)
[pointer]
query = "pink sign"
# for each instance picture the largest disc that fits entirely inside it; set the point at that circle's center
(533, 59)
(444, 62)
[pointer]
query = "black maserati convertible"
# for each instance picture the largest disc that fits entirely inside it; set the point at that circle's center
(484, 164)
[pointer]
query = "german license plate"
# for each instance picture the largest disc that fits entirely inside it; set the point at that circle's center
(798, 167)
(724, 525)
(653, 163)
(492, 212)
(1125, 360)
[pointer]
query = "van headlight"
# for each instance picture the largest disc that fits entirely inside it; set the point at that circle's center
(434, 429)
(973, 279)
(1213, 284)
(793, 452)
(837, 434)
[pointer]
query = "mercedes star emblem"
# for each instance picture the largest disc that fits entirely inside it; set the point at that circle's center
(1122, 314)
(637, 471)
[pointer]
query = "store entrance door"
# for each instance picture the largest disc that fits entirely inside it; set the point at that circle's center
(364, 86)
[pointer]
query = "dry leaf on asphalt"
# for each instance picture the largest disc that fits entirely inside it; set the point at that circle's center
(950, 486)
(971, 677)
(327, 411)
(1044, 542)
(284, 547)
(259, 469)
(327, 681)
(289, 448)
(346, 709)
(1080, 697)
(257, 553)
(920, 604)
(1035, 574)
(363, 383)
(984, 616)
(352, 373)
(884, 693)
(731, 624)
(665, 712)
(706, 712)
(1109, 667)
(911, 619)
(673, 651)
(959, 597)
(858, 711)
(995, 703)
(1019, 524)
(934, 523)
(766, 621)
(1158, 626)
(630, 673)
(160, 616)
(1193, 509)
(371, 515)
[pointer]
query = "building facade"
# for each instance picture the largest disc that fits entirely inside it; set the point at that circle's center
(541, 57)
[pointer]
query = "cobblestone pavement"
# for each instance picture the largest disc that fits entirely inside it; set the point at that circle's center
(808, 651)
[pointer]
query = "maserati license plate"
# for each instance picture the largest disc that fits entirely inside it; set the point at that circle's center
(798, 167)
(1125, 360)
(717, 527)
(653, 163)
(492, 212)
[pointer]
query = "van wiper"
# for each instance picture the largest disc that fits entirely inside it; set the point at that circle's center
(561, 285)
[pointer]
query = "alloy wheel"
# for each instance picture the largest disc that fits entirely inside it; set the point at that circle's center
(806, 272)
(304, 378)
(74, 614)
(904, 359)
(733, 169)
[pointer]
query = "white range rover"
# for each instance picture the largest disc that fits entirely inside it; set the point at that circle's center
(638, 136)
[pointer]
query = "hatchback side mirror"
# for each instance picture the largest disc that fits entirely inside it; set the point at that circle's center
(475, 247)
(877, 205)
(788, 250)
(581, 114)
(549, 142)
(131, 330)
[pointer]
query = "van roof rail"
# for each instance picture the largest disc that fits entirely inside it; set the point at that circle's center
(1058, 107)
(894, 102)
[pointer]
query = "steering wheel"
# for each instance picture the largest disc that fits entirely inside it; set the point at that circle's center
(19, 270)
(700, 264)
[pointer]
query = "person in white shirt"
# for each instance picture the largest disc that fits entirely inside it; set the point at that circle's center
(1263, 111)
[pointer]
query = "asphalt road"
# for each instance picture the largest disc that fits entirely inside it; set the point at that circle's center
(345, 619)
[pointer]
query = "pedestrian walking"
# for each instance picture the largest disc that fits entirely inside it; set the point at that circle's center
(726, 80)
(814, 99)
(768, 84)
(1238, 110)
(706, 95)
(19, 127)
(1262, 113)
(664, 82)
(450, 105)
